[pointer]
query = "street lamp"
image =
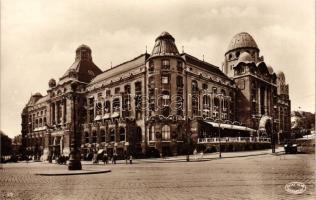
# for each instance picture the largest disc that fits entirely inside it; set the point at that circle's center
(74, 159)
(221, 97)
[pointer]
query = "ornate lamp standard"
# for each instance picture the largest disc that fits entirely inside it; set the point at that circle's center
(221, 97)
(74, 159)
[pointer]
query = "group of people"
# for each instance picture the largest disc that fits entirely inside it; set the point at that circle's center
(106, 158)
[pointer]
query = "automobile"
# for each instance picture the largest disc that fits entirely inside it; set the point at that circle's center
(290, 147)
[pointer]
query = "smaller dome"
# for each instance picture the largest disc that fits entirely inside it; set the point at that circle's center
(37, 94)
(83, 46)
(165, 45)
(280, 73)
(245, 57)
(166, 35)
(52, 83)
(270, 69)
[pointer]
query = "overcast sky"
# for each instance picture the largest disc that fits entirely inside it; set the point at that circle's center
(39, 38)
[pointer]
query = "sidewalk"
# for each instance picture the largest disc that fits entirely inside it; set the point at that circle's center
(198, 157)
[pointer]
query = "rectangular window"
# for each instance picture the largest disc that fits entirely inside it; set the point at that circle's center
(165, 79)
(205, 86)
(108, 93)
(165, 64)
(117, 90)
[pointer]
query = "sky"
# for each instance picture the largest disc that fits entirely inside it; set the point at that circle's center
(39, 39)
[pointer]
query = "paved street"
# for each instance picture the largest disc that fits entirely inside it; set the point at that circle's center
(253, 177)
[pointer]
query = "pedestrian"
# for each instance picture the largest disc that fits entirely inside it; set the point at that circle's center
(105, 158)
(130, 159)
(114, 157)
(194, 153)
(125, 156)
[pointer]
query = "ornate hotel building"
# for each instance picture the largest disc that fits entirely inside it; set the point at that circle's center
(158, 102)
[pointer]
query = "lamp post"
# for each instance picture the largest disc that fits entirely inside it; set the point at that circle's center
(74, 159)
(221, 96)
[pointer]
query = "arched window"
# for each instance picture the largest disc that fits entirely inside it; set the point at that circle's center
(194, 86)
(112, 135)
(98, 107)
(223, 92)
(127, 89)
(165, 97)
(94, 137)
(206, 100)
(152, 133)
(122, 134)
(237, 54)
(151, 66)
(151, 80)
(165, 64)
(36, 123)
(102, 132)
(179, 81)
(116, 104)
(166, 132)
(138, 135)
(216, 102)
(107, 107)
(87, 137)
(40, 122)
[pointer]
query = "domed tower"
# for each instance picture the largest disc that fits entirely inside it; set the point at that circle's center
(282, 87)
(165, 76)
(240, 43)
(83, 68)
(83, 52)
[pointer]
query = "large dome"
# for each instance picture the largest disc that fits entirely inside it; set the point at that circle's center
(83, 47)
(242, 40)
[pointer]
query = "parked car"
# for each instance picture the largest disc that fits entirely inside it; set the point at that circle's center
(290, 147)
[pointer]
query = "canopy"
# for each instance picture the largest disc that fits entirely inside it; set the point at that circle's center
(98, 117)
(115, 114)
(229, 126)
(106, 116)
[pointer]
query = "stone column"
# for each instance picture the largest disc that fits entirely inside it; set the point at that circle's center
(56, 113)
(259, 100)
(65, 111)
(265, 101)
(61, 106)
(52, 114)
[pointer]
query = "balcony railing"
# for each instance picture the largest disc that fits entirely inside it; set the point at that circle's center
(233, 139)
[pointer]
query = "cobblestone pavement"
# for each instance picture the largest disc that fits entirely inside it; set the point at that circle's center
(255, 177)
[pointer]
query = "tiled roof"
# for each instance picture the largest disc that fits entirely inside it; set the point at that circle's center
(125, 66)
(202, 64)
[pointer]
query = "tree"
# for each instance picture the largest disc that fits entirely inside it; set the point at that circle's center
(6, 144)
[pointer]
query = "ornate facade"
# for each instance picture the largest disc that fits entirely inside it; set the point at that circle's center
(157, 102)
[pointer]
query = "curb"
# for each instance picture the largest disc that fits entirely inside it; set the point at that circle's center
(71, 173)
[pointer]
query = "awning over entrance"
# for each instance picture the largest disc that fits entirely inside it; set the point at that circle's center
(230, 126)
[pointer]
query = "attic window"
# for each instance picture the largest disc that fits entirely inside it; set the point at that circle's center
(90, 72)
(237, 54)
